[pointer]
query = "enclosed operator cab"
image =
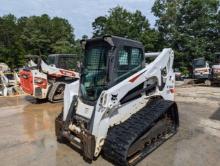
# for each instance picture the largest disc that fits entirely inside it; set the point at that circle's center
(106, 65)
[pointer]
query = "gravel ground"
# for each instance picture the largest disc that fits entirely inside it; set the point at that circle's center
(27, 133)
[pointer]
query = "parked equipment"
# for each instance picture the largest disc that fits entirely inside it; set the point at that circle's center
(216, 69)
(120, 106)
(47, 80)
(202, 71)
(9, 81)
(178, 74)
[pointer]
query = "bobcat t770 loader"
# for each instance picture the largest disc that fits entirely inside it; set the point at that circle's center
(121, 106)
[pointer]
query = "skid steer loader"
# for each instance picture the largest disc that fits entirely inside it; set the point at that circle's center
(121, 106)
(47, 80)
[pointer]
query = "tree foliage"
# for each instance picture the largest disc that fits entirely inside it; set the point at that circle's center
(40, 35)
(121, 22)
(190, 27)
(10, 45)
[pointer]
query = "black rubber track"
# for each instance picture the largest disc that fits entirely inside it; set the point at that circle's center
(53, 91)
(121, 137)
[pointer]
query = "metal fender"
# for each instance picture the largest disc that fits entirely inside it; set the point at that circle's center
(70, 91)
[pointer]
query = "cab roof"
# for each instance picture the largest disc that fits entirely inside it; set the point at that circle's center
(116, 41)
(61, 55)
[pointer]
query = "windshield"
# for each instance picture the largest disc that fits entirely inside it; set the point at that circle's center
(94, 75)
(199, 63)
(51, 60)
(67, 62)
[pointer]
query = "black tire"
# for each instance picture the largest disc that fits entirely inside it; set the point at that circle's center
(39, 101)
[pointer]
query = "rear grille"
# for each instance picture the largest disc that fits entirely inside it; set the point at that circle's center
(38, 92)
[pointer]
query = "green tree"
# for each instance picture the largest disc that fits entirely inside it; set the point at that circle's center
(85, 37)
(99, 26)
(11, 49)
(61, 36)
(62, 47)
(38, 35)
(217, 32)
(121, 22)
(189, 27)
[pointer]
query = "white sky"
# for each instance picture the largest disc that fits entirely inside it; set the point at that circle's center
(80, 13)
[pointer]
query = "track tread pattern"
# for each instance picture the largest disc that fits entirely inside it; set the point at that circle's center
(121, 136)
(53, 91)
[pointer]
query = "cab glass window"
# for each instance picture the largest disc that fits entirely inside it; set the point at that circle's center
(68, 63)
(129, 59)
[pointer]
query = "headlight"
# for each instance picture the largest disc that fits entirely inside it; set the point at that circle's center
(103, 99)
(41, 82)
(38, 80)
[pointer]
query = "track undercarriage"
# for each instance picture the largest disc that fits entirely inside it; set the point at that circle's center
(56, 92)
(131, 141)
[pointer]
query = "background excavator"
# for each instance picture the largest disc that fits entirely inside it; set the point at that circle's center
(206, 72)
(47, 80)
(121, 106)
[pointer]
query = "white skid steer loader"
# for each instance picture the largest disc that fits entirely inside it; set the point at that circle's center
(47, 80)
(121, 106)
